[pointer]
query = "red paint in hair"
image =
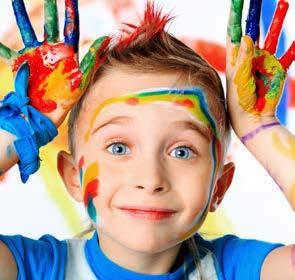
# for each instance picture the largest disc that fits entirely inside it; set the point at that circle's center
(153, 24)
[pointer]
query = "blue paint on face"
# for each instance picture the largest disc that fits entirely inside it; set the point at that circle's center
(91, 211)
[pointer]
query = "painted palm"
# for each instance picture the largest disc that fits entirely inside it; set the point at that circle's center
(57, 81)
(259, 76)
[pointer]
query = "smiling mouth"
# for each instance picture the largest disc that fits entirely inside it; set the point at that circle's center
(148, 213)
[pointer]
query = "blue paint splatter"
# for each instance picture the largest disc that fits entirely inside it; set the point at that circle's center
(9, 151)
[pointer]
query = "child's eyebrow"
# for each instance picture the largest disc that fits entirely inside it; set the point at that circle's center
(115, 120)
(200, 129)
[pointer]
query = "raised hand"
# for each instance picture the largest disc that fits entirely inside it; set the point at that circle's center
(255, 77)
(56, 81)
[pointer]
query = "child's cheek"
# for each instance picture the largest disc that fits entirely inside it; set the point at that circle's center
(90, 184)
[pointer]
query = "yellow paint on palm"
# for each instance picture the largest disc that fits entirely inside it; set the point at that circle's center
(245, 82)
(58, 87)
(235, 51)
(90, 174)
(288, 148)
(191, 103)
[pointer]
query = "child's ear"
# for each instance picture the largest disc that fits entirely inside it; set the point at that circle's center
(222, 185)
(69, 173)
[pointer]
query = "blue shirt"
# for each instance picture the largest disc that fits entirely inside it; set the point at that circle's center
(49, 258)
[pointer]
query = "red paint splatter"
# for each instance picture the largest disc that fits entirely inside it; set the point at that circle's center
(91, 191)
(42, 62)
(132, 101)
(185, 103)
(81, 162)
(258, 70)
(152, 25)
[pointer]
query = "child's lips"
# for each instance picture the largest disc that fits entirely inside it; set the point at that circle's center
(150, 213)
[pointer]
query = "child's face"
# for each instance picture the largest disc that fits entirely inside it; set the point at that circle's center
(159, 160)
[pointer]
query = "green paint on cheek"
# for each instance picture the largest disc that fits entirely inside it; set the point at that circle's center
(234, 29)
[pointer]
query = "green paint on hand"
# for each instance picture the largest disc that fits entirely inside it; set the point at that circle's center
(234, 29)
(88, 63)
(51, 21)
(7, 53)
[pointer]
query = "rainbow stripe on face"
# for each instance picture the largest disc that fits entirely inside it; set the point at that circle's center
(90, 184)
(194, 101)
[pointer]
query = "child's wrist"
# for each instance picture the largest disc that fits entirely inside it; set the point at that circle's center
(248, 129)
(31, 128)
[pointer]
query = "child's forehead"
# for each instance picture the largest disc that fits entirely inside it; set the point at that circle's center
(164, 106)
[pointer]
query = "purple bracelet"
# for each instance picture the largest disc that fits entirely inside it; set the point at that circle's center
(257, 130)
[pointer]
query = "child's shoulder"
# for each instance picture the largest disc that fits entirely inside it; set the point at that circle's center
(236, 256)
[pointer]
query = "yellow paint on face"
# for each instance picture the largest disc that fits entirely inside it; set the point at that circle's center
(287, 149)
(135, 99)
(90, 174)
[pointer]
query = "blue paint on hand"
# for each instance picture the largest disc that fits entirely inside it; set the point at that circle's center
(253, 20)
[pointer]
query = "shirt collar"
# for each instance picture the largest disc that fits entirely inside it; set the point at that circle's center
(106, 269)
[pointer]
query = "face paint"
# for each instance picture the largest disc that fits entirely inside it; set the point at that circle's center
(80, 165)
(192, 100)
(90, 189)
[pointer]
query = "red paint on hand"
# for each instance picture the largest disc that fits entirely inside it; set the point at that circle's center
(43, 61)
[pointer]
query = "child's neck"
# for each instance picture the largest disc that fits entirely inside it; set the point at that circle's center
(159, 263)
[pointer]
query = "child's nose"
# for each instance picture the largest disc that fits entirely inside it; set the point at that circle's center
(151, 176)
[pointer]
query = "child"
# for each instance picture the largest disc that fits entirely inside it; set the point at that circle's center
(153, 97)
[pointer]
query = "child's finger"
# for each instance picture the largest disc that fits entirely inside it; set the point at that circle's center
(28, 35)
(92, 59)
(287, 59)
(245, 56)
(71, 28)
(6, 53)
(234, 29)
(253, 20)
(51, 30)
(275, 29)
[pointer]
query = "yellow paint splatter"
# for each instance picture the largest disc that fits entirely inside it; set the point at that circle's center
(168, 98)
(57, 87)
(288, 148)
(91, 174)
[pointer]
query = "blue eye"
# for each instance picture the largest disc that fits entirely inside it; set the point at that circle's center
(183, 152)
(117, 148)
